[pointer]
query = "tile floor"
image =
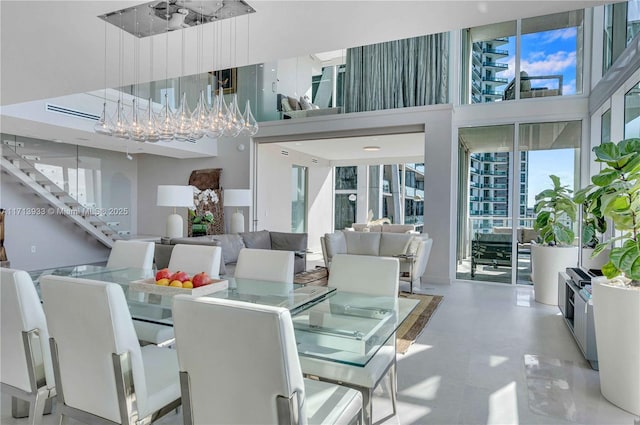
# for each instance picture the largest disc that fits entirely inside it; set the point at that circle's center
(490, 355)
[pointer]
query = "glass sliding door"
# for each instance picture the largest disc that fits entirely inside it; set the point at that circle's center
(544, 149)
(298, 199)
(485, 237)
(346, 195)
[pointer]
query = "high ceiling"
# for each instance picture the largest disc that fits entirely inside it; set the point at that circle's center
(57, 48)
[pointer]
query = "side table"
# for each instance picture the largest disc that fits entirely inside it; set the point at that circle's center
(411, 259)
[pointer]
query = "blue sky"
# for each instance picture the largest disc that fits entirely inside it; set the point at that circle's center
(544, 54)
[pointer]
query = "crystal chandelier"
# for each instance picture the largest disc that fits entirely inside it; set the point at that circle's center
(184, 124)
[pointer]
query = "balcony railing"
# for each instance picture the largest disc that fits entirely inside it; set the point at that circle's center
(495, 80)
(499, 93)
(495, 51)
(493, 64)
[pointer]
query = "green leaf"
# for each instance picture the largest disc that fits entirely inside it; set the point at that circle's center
(609, 270)
(629, 146)
(599, 248)
(556, 181)
(630, 253)
(634, 270)
(605, 177)
(615, 255)
(607, 152)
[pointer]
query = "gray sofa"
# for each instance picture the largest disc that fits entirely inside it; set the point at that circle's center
(231, 245)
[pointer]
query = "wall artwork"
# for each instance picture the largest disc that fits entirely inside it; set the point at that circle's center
(226, 80)
(208, 216)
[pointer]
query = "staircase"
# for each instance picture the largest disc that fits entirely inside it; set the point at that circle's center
(59, 201)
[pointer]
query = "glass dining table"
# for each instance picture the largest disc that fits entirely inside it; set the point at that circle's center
(331, 325)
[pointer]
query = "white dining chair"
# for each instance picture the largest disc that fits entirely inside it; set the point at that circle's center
(373, 276)
(254, 376)
(132, 254)
(102, 373)
(25, 369)
(195, 259)
(265, 264)
(191, 259)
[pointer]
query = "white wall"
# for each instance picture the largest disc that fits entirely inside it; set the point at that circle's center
(273, 178)
(319, 205)
(156, 170)
(57, 240)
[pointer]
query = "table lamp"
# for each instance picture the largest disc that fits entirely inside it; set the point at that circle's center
(237, 198)
(175, 196)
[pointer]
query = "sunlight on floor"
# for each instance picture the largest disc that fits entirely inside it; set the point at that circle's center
(425, 390)
(495, 361)
(503, 406)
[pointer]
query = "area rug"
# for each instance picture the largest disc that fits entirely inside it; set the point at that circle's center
(315, 277)
(413, 326)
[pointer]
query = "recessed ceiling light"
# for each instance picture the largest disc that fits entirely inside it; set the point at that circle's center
(57, 141)
(371, 148)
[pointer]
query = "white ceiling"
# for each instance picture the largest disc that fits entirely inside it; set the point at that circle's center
(407, 147)
(56, 48)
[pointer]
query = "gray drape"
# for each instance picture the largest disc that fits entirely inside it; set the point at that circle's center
(397, 74)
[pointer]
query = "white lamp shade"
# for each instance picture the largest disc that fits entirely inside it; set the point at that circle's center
(175, 196)
(237, 197)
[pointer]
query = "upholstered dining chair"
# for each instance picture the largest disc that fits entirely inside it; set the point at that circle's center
(255, 376)
(25, 370)
(265, 264)
(134, 254)
(196, 258)
(102, 373)
(192, 259)
(368, 275)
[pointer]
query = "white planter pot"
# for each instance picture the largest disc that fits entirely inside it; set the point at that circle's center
(546, 263)
(616, 313)
(589, 263)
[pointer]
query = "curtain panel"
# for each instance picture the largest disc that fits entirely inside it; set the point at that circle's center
(397, 74)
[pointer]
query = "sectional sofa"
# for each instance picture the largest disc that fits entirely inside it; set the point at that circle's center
(382, 244)
(231, 245)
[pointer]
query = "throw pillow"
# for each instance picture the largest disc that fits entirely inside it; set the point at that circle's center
(335, 243)
(284, 105)
(305, 103)
(414, 244)
(394, 244)
(231, 246)
(257, 240)
(293, 102)
(288, 241)
(363, 243)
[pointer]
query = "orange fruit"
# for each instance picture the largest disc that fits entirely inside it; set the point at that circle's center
(162, 282)
(176, 284)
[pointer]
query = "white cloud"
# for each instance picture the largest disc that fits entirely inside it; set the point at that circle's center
(569, 87)
(562, 34)
(555, 63)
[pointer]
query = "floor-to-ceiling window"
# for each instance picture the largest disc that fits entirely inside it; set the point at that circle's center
(498, 183)
(621, 25)
(484, 233)
(298, 199)
(346, 195)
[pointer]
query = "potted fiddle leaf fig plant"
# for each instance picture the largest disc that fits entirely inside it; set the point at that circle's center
(594, 225)
(555, 214)
(616, 295)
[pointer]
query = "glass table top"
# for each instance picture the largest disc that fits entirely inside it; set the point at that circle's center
(350, 328)
(331, 325)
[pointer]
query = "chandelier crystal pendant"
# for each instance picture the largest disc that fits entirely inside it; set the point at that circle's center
(150, 124)
(183, 121)
(145, 124)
